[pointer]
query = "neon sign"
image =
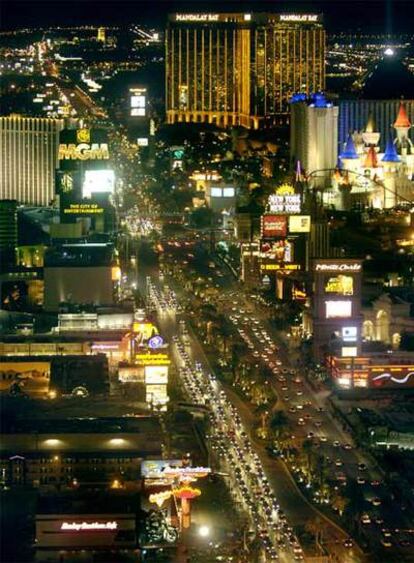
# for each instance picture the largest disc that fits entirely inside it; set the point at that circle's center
(89, 526)
(153, 359)
(386, 375)
(160, 498)
(156, 342)
(83, 151)
(338, 267)
(191, 471)
(186, 492)
(196, 17)
(298, 17)
(285, 200)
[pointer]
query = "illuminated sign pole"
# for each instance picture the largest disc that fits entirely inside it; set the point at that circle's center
(337, 308)
(179, 478)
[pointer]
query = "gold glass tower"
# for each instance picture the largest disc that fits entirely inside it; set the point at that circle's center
(241, 69)
(29, 158)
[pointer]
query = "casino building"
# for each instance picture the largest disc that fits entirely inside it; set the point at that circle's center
(28, 158)
(241, 69)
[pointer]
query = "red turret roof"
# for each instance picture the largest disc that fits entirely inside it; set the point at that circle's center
(402, 118)
(371, 159)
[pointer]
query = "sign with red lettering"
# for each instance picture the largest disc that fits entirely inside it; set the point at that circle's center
(273, 226)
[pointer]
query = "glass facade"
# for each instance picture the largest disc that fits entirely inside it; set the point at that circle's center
(240, 69)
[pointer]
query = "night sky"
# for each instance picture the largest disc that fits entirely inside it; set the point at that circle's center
(379, 16)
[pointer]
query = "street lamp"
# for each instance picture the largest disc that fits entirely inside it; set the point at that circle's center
(204, 531)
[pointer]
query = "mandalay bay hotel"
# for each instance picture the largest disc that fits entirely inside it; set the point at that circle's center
(241, 69)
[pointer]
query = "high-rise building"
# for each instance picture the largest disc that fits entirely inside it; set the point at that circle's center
(101, 35)
(28, 158)
(314, 136)
(8, 232)
(241, 69)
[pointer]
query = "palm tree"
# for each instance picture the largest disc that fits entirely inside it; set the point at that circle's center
(307, 447)
(320, 470)
(225, 331)
(238, 355)
(263, 412)
(278, 423)
(355, 506)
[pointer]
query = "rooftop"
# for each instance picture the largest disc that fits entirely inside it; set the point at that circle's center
(83, 502)
(78, 255)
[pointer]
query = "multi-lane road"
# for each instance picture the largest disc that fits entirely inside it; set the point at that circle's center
(309, 418)
(228, 438)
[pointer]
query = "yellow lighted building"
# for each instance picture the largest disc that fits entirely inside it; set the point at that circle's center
(241, 69)
(29, 158)
(101, 35)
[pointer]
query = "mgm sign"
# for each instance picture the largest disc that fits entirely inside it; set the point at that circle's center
(83, 151)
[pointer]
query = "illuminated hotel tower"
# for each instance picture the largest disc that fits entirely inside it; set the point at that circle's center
(28, 158)
(101, 35)
(241, 69)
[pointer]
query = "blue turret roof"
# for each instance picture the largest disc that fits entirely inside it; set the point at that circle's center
(298, 97)
(390, 154)
(319, 101)
(350, 151)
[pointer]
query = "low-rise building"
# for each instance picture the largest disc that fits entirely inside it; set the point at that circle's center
(54, 453)
(83, 527)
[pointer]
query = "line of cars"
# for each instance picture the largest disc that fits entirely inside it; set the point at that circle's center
(343, 461)
(231, 446)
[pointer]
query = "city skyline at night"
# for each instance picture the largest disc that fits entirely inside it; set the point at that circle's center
(207, 281)
(382, 16)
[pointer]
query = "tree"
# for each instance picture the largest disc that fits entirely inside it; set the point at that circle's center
(225, 331)
(238, 355)
(307, 448)
(202, 217)
(278, 423)
(320, 468)
(263, 412)
(356, 504)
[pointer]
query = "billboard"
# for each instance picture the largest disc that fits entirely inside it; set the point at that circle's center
(137, 102)
(280, 267)
(281, 250)
(273, 226)
(349, 333)
(154, 468)
(79, 209)
(156, 375)
(156, 394)
(299, 224)
(82, 144)
(229, 192)
(349, 351)
(285, 200)
(98, 181)
(340, 285)
(338, 309)
(153, 359)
